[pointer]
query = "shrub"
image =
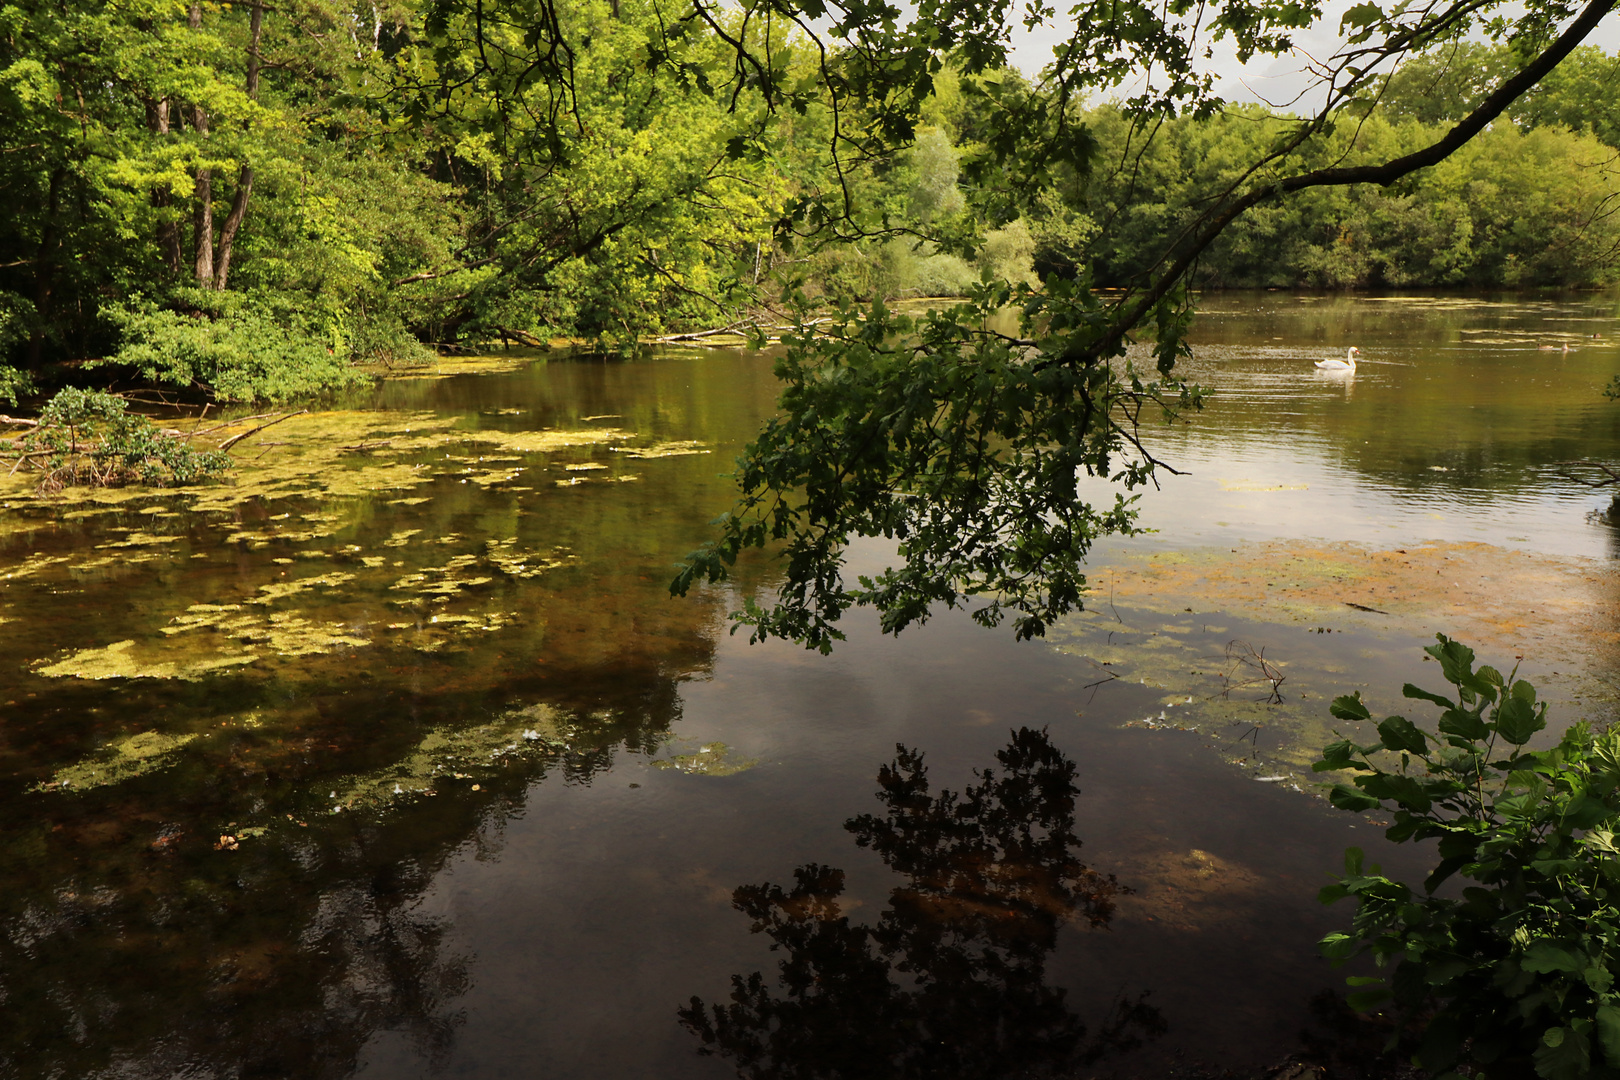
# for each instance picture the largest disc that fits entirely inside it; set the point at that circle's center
(235, 348)
(88, 437)
(1514, 972)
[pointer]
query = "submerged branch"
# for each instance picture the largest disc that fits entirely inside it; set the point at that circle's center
(234, 439)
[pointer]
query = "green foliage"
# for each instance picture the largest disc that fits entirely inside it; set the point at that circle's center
(1515, 971)
(236, 349)
(613, 169)
(1442, 86)
(1512, 208)
(934, 191)
(13, 383)
(89, 437)
(960, 443)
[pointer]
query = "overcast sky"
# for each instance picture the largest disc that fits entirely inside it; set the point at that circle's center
(1274, 80)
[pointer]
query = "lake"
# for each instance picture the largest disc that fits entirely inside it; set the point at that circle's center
(395, 758)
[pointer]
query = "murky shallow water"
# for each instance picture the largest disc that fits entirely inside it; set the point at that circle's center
(436, 780)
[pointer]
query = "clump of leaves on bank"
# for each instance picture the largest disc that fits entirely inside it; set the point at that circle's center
(1512, 974)
(89, 437)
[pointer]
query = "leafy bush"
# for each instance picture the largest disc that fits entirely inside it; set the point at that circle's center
(14, 383)
(1009, 252)
(384, 338)
(88, 437)
(16, 315)
(1515, 972)
(233, 347)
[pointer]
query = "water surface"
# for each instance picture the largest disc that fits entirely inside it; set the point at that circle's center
(396, 759)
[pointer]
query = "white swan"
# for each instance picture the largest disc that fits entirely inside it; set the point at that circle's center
(1347, 364)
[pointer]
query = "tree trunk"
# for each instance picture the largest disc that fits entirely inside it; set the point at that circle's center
(244, 181)
(202, 213)
(168, 230)
(233, 222)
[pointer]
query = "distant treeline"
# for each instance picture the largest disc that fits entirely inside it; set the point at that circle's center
(1534, 201)
(248, 198)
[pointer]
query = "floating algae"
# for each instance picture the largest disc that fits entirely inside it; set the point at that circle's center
(123, 760)
(439, 632)
(493, 477)
(338, 453)
(1514, 601)
(663, 449)
(136, 538)
(1265, 693)
(543, 442)
(711, 759)
(314, 455)
(216, 616)
(344, 458)
(516, 562)
(260, 538)
(277, 590)
(440, 582)
(121, 660)
(287, 633)
(449, 367)
(448, 754)
(33, 565)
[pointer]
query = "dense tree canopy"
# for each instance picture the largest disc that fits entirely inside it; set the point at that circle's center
(248, 197)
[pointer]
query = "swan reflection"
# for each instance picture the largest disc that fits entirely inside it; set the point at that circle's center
(951, 980)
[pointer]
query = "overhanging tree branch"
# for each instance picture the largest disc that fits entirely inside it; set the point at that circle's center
(1133, 310)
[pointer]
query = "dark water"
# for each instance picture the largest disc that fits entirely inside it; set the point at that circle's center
(458, 811)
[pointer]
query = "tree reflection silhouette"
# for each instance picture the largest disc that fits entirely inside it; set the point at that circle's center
(951, 981)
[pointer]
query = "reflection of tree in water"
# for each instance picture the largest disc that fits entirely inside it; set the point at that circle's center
(131, 946)
(951, 981)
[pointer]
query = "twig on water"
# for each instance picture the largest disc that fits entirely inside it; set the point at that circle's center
(234, 439)
(24, 457)
(1242, 655)
(233, 423)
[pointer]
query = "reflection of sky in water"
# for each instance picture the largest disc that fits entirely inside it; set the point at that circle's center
(1451, 428)
(570, 884)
